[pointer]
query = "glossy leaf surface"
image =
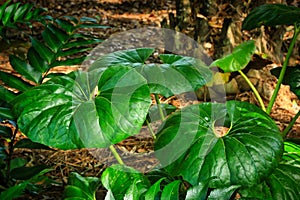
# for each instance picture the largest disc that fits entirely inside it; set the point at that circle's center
(271, 15)
(25, 69)
(63, 112)
(238, 59)
(282, 184)
(123, 182)
(291, 154)
(13, 82)
(118, 180)
(179, 74)
(81, 187)
(218, 143)
(132, 57)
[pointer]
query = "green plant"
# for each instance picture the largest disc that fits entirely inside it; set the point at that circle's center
(202, 160)
(62, 44)
(206, 151)
(15, 15)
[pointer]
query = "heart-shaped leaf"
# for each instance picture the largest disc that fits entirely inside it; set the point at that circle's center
(238, 59)
(81, 187)
(130, 57)
(291, 78)
(227, 144)
(63, 112)
(271, 15)
(179, 74)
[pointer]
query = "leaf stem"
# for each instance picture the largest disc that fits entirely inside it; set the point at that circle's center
(283, 69)
(161, 112)
(261, 103)
(150, 129)
(288, 128)
(116, 155)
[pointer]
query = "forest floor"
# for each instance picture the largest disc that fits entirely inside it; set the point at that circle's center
(122, 15)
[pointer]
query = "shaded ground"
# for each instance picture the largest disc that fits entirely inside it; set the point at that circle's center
(120, 16)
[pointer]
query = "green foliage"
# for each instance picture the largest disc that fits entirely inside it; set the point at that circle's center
(14, 14)
(272, 15)
(81, 187)
(238, 59)
(73, 126)
(206, 151)
(177, 75)
(291, 78)
(240, 155)
(126, 183)
(18, 189)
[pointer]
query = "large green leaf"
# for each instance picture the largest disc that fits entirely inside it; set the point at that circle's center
(63, 112)
(238, 59)
(227, 144)
(291, 78)
(272, 15)
(81, 187)
(130, 57)
(179, 74)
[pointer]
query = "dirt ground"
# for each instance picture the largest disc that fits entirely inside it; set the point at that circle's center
(122, 15)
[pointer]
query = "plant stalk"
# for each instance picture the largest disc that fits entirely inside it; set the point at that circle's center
(150, 129)
(161, 112)
(288, 128)
(283, 69)
(116, 155)
(261, 103)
